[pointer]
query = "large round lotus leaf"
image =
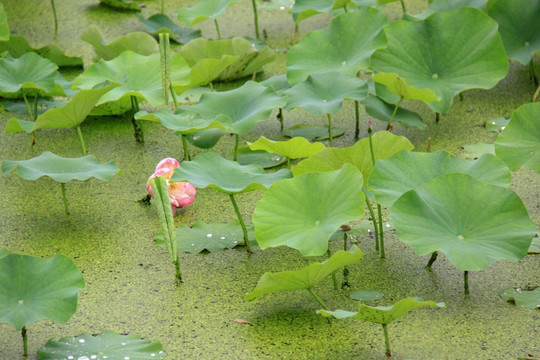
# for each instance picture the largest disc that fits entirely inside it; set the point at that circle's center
(33, 289)
(238, 110)
(303, 9)
(204, 9)
(4, 26)
(399, 86)
(305, 211)
(519, 143)
(344, 46)
(61, 169)
(445, 6)
(381, 110)
(137, 75)
(473, 223)
(18, 46)
(307, 277)
(183, 123)
(294, 148)
(325, 92)
(213, 171)
(408, 170)
(106, 345)
(138, 42)
(381, 314)
(28, 71)
(160, 23)
(519, 27)
(385, 144)
(447, 53)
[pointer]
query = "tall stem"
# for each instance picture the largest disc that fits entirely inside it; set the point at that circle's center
(139, 136)
(25, 341)
(386, 341)
(431, 260)
(531, 70)
(390, 126)
(55, 20)
(319, 300)
(177, 267)
(256, 16)
(63, 186)
(357, 115)
(81, 140)
(242, 224)
(466, 282)
(536, 94)
(280, 117)
(374, 219)
(381, 231)
(28, 108)
(403, 6)
(236, 142)
(330, 129)
(173, 94)
(163, 6)
(334, 279)
(186, 149)
(217, 30)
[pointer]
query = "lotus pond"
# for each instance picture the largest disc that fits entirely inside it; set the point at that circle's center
(350, 159)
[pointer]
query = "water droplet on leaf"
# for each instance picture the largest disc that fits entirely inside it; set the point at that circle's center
(460, 237)
(21, 301)
(435, 76)
(208, 235)
(275, 158)
(82, 341)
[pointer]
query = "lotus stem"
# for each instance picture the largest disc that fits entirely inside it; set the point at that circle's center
(163, 6)
(242, 224)
(63, 186)
(186, 149)
(461, 96)
(531, 71)
(386, 341)
(319, 300)
(403, 6)
(173, 95)
(330, 129)
(536, 94)
(25, 341)
(280, 118)
(139, 136)
(178, 273)
(345, 8)
(381, 231)
(256, 17)
(432, 260)
(164, 49)
(373, 218)
(81, 140)
(466, 282)
(35, 106)
(55, 20)
(334, 279)
(390, 126)
(236, 142)
(217, 29)
(28, 107)
(428, 147)
(357, 116)
(437, 117)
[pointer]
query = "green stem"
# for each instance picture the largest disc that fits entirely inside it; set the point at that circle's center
(236, 142)
(256, 16)
(173, 94)
(211, 86)
(186, 149)
(163, 6)
(330, 129)
(28, 107)
(319, 300)
(345, 8)
(35, 106)
(461, 96)
(357, 115)
(63, 186)
(381, 232)
(466, 282)
(386, 341)
(334, 279)
(280, 117)
(81, 140)
(25, 341)
(164, 62)
(217, 29)
(403, 6)
(178, 272)
(242, 224)
(55, 20)
(531, 70)
(390, 126)
(437, 117)
(431, 260)
(373, 218)
(139, 136)
(536, 94)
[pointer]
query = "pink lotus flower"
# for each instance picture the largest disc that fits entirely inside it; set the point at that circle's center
(181, 194)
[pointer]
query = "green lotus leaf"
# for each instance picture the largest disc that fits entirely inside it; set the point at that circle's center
(519, 143)
(213, 171)
(4, 26)
(385, 144)
(294, 148)
(204, 9)
(408, 170)
(445, 6)
(4, 252)
(160, 23)
(278, 82)
(18, 46)
(138, 75)
(238, 110)
(61, 169)
(206, 139)
(473, 223)
(19, 107)
(246, 156)
(33, 289)
(519, 27)
(381, 110)
(447, 53)
(523, 298)
(307, 277)
(382, 314)
(305, 211)
(496, 125)
(366, 295)
(312, 132)
(535, 245)
(122, 4)
(475, 151)
(183, 123)
(14, 126)
(344, 46)
(106, 345)
(138, 42)
(325, 92)
(30, 71)
(75, 111)
(303, 9)
(399, 86)
(276, 4)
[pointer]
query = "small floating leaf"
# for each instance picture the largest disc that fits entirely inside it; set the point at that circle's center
(523, 298)
(496, 125)
(366, 295)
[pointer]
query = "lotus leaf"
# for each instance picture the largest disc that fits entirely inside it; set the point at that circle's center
(447, 53)
(4, 252)
(204, 9)
(61, 169)
(33, 289)
(399, 86)
(445, 6)
(408, 170)
(19, 107)
(106, 345)
(497, 125)
(277, 4)
(138, 76)
(475, 151)
(182, 123)
(303, 9)
(519, 27)
(30, 71)
(160, 23)
(4, 26)
(246, 156)
(382, 314)
(366, 295)
(524, 298)
(381, 110)
(206, 139)
(324, 92)
(138, 42)
(278, 82)
(385, 144)
(519, 143)
(344, 46)
(312, 132)
(473, 223)
(213, 171)
(294, 148)
(14, 126)
(307, 277)
(122, 4)
(18, 46)
(305, 211)
(535, 245)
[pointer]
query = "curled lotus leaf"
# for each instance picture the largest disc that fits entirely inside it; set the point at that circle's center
(30, 71)
(18, 45)
(294, 148)
(160, 23)
(399, 86)
(383, 111)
